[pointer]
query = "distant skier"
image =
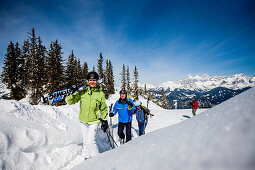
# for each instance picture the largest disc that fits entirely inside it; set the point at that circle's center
(93, 110)
(124, 107)
(141, 116)
(194, 104)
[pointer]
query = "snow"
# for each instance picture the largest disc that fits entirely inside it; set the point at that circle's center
(3, 90)
(219, 138)
(48, 137)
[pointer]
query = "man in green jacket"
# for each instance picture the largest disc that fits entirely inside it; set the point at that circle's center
(93, 110)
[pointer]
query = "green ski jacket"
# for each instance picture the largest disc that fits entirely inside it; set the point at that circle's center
(92, 104)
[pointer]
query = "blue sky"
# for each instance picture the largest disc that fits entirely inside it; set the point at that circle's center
(167, 40)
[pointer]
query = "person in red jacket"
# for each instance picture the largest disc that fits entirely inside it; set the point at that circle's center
(194, 106)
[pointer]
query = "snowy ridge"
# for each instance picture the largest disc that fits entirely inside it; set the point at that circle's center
(220, 138)
(206, 82)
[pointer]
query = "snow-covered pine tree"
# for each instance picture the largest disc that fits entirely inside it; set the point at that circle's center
(128, 80)
(55, 67)
(106, 73)
(42, 67)
(100, 66)
(111, 78)
(94, 68)
(85, 71)
(19, 90)
(9, 76)
(107, 78)
(78, 73)
(135, 85)
(22, 73)
(32, 50)
(70, 70)
(123, 78)
(35, 69)
(164, 103)
(75, 76)
(25, 65)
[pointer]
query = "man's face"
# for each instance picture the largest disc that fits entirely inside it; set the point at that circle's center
(92, 83)
(123, 96)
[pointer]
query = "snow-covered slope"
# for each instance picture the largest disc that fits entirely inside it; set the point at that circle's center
(221, 138)
(3, 90)
(47, 137)
(206, 82)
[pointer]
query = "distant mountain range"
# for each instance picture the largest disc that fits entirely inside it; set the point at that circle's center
(209, 90)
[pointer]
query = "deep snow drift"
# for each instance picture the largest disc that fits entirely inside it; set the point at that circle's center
(47, 137)
(222, 137)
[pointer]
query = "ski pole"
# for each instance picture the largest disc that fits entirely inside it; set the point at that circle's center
(109, 140)
(112, 138)
(110, 125)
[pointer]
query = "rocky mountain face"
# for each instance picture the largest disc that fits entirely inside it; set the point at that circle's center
(209, 90)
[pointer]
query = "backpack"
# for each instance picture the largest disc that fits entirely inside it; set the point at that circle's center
(145, 112)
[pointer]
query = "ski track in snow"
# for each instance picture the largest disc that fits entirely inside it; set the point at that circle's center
(48, 137)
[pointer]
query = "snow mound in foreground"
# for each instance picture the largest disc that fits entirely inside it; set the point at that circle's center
(221, 138)
(39, 137)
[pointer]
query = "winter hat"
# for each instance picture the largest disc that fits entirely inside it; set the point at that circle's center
(138, 103)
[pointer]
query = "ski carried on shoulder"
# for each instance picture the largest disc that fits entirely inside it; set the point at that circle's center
(56, 96)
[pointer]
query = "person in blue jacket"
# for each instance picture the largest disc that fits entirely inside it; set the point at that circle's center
(141, 116)
(125, 108)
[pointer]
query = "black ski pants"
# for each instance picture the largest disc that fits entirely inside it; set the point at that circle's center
(128, 126)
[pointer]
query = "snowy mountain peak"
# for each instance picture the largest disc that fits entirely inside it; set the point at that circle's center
(198, 77)
(205, 82)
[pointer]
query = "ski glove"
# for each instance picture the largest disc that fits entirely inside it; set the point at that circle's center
(74, 88)
(104, 125)
(111, 114)
(130, 104)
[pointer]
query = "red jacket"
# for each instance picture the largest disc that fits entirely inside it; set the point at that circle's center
(194, 104)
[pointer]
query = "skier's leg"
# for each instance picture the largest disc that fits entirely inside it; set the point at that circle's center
(140, 126)
(194, 112)
(120, 130)
(84, 131)
(145, 124)
(91, 139)
(128, 131)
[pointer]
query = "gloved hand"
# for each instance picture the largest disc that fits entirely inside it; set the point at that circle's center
(111, 114)
(74, 89)
(130, 104)
(104, 125)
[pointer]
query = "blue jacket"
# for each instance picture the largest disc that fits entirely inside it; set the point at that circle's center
(140, 115)
(124, 111)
